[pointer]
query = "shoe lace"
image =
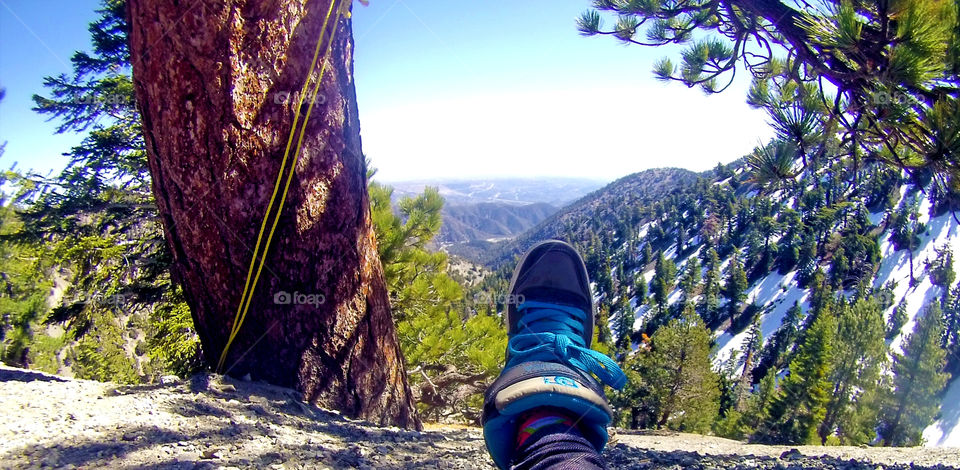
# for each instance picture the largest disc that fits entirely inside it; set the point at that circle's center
(554, 333)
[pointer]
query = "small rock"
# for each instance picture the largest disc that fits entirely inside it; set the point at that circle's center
(169, 380)
(210, 454)
(792, 454)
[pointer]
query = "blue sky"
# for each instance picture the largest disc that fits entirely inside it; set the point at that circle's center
(448, 90)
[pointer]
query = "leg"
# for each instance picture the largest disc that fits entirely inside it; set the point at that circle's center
(549, 439)
(550, 367)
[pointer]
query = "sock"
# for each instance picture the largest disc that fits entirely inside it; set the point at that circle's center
(540, 419)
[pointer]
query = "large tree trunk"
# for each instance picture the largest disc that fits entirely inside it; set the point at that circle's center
(216, 83)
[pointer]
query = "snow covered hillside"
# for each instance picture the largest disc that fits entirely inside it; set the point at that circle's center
(780, 292)
(818, 215)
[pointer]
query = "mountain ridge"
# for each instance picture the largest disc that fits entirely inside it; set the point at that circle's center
(637, 187)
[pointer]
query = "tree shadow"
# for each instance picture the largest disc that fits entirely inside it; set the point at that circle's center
(20, 375)
(220, 422)
(94, 452)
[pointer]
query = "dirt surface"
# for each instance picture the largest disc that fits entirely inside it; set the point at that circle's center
(212, 422)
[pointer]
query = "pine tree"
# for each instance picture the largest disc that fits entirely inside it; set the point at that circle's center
(98, 221)
(906, 231)
(839, 268)
(214, 181)
(710, 297)
(893, 67)
(918, 380)
(640, 288)
(821, 295)
(602, 325)
(897, 319)
(682, 384)
(788, 253)
(807, 261)
(454, 358)
(801, 405)
(664, 277)
(647, 256)
(625, 321)
(775, 352)
(750, 349)
(409, 269)
(735, 288)
(941, 269)
(758, 404)
(951, 322)
(859, 355)
(633, 404)
(689, 281)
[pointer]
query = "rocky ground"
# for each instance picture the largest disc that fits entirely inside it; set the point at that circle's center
(211, 422)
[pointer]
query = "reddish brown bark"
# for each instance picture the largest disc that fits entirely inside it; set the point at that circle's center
(216, 83)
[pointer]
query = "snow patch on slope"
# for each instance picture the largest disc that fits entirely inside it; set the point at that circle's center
(945, 432)
(941, 231)
(768, 291)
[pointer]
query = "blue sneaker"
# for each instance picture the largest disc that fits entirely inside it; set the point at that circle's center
(549, 360)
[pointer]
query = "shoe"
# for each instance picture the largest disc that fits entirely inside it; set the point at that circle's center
(549, 361)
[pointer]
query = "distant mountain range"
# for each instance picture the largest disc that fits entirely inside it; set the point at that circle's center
(480, 213)
(556, 192)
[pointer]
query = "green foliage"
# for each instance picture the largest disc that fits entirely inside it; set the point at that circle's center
(100, 354)
(951, 322)
(801, 404)
(748, 352)
(664, 278)
(775, 354)
(23, 300)
(679, 388)
(771, 166)
(602, 327)
(941, 269)
(736, 285)
(625, 321)
(897, 319)
(174, 346)
(872, 78)
(710, 298)
(918, 380)
(732, 426)
(859, 356)
(450, 359)
(690, 281)
(93, 230)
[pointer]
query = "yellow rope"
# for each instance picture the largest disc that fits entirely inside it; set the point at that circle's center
(249, 287)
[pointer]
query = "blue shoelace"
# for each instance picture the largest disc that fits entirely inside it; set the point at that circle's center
(556, 334)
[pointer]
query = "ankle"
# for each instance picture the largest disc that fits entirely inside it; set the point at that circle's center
(543, 419)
